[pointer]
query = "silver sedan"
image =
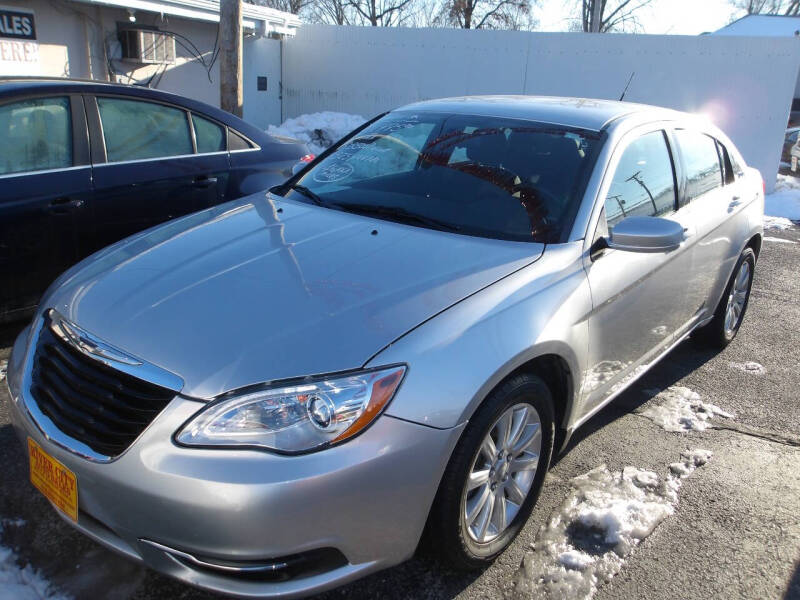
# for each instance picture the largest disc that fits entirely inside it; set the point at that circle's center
(287, 392)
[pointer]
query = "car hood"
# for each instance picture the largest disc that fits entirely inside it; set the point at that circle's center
(266, 288)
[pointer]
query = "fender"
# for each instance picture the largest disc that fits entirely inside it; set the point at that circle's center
(539, 310)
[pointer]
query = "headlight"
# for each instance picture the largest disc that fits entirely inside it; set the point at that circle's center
(297, 418)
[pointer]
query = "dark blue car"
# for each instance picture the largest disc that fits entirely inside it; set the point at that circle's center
(84, 164)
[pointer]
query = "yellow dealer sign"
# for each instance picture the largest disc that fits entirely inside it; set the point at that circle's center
(54, 480)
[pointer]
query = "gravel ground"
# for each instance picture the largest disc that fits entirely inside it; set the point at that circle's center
(735, 533)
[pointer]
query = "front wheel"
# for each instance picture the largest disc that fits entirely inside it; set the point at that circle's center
(731, 308)
(494, 476)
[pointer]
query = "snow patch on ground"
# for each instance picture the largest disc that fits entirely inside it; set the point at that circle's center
(785, 200)
(607, 514)
(781, 223)
(768, 238)
(749, 367)
(22, 583)
(318, 130)
(680, 409)
(787, 182)
(3, 369)
(11, 523)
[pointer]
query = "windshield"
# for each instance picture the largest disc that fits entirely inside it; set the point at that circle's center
(486, 176)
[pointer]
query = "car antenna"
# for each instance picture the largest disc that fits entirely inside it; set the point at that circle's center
(622, 97)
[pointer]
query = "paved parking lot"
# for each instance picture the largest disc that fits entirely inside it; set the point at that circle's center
(735, 532)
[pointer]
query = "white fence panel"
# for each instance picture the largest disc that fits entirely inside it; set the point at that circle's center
(744, 84)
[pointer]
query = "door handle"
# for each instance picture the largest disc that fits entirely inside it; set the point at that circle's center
(203, 182)
(64, 205)
(735, 201)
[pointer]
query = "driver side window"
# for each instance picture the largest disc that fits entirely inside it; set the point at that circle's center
(644, 181)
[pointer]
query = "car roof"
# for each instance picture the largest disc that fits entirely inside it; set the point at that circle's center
(585, 113)
(18, 86)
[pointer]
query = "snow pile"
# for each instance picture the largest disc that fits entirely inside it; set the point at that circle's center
(586, 540)
(749, 367)
(318, 130)
(779, 240)
(781, 223)
(680, 409)
(785, 200)
(22, 583)
(3, 369)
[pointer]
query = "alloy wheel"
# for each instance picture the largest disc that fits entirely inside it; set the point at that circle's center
(502, 473)
(737, 299)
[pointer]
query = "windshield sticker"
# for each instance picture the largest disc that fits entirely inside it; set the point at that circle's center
(333, 172)
(393, 125)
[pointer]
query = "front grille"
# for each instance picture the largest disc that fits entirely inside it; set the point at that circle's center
(89, 401)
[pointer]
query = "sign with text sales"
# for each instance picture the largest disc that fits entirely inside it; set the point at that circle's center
(17, 24)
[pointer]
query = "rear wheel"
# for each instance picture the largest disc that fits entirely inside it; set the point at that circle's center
(731, 308)
(493, 478)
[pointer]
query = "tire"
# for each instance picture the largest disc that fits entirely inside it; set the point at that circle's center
(720, 332)
(448, 535)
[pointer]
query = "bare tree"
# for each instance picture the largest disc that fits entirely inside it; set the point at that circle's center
(384, 13)
(291, 6)
(602, 16)
(520, 18)
(769, 7)
(486, 14)
(424, 13)
(330, 12)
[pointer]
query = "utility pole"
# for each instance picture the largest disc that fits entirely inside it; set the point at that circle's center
(230, 56)
(597, 14)
(637, 177)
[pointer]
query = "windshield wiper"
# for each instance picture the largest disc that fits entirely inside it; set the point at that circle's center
(303, 190)
(395, 213)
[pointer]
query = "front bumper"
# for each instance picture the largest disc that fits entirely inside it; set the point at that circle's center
(159, 503)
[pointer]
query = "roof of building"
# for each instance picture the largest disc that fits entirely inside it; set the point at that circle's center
(259, 18)
(762, 25)
(585, 113)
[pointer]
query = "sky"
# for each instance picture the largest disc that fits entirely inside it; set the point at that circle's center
(678, 17)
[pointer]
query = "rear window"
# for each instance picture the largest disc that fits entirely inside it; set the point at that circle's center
(237, 142)
(209, 136)
(486, 176)
(701, 161)
(136, 130)
(728, 175)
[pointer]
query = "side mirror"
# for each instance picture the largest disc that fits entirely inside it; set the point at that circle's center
(646, 234)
